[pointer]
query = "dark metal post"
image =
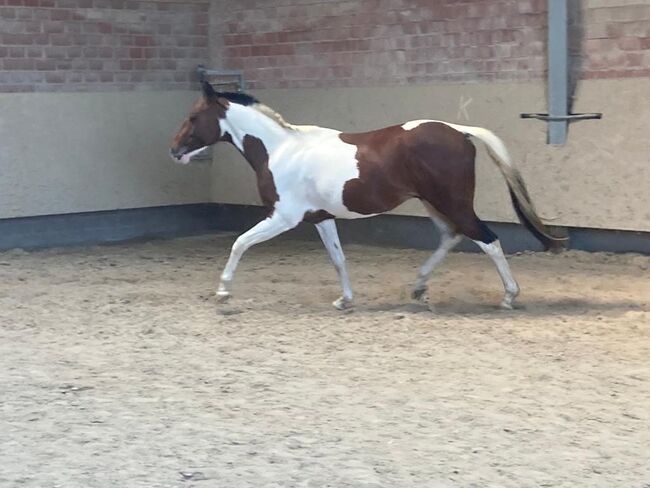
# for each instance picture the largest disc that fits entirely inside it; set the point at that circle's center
(558, 70)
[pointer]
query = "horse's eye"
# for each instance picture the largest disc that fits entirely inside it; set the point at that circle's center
(192, 119)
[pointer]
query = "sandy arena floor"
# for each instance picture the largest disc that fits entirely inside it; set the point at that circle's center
(118, 369)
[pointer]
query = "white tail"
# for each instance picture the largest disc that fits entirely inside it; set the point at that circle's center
(518, 192)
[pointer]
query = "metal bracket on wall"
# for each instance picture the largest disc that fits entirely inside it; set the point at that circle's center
(558, 117)
(222, 77)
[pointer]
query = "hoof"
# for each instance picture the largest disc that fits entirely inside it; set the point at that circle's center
(223, 292)
(342, 303)
(419, 294)
(223, 296)
(509, 298)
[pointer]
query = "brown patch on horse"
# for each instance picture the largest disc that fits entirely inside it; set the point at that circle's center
(432, 162)
(317, 217)
(258, 157)
(382, 183)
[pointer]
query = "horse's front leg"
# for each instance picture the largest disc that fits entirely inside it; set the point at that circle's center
(267, 229)
(330, 237)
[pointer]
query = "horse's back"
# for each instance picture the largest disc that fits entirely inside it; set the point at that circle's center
(352, 175)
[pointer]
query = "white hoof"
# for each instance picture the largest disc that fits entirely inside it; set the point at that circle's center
(342, 303)
(223, 296)
(223, 293)
(509, 298)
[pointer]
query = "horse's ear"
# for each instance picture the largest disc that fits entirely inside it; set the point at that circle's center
(208, 92)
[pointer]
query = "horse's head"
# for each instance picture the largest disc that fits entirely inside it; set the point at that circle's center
(201, 128)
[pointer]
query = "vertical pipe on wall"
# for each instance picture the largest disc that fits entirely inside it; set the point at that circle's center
(558, 70)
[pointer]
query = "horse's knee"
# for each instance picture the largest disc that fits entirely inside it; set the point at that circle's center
(239, 246)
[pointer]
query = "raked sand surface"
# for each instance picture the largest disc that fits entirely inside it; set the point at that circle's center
(119, 369)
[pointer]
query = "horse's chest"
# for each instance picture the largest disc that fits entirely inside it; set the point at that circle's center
(316, 172)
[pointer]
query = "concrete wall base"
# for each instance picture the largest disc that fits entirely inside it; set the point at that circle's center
(197, 219)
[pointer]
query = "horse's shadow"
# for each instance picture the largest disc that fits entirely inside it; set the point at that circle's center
(535, 307)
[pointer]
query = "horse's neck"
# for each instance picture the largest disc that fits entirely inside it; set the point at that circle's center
(244, 121)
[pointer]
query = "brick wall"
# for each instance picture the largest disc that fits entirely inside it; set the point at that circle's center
(72, 45)
(616, 37)
(54, 45)
(310, 43)
(302, 43)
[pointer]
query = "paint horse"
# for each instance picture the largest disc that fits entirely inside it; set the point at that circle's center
(315, 174)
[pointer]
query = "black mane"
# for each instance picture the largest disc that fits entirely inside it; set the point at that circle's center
(240, 98)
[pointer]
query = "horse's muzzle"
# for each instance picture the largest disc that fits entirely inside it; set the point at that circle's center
(177, 154)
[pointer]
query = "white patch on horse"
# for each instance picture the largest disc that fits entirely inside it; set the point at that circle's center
(412, 124)
(316, 176)
(310, 165)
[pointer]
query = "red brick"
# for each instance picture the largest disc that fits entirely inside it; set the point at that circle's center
(17, 39)
(54, 77)
(13, 88)
(60, 14)
(24, 13)
(44, 64)
(7, 13)
(53, 27)
(15, 52)
(104, 28)
(22, 64)
(61, 39)
(105, 52)
(142, 41)
(634, 60)
(164, 29)
(629, 43)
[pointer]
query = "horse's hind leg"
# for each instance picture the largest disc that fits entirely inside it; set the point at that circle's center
(475, 229)
(329, 235)
(493, 249)
(448, 240)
